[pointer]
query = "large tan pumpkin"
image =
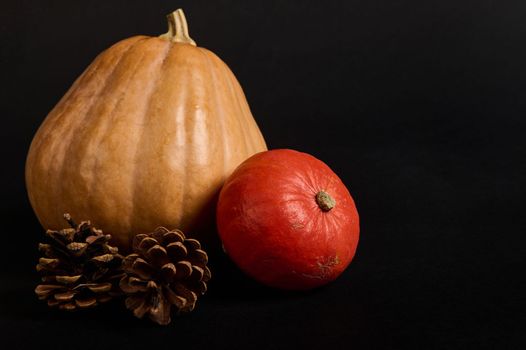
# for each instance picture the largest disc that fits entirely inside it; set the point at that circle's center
(145, 137)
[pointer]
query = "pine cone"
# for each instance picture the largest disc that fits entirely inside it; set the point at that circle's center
(79, 268)
(165, 269)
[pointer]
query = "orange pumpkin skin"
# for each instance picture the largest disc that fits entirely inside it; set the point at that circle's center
(273, 227)
(145, 137)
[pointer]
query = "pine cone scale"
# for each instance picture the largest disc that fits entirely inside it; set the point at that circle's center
(183, 269)
(157, 255)
(43, 290)
(68, 306)
(85, 303)
(96, 239)
(104, 298)
(147, 243)
(100, 288)
(65, 296)
(176, 251)
(138, 305)
(143, 269)
(197, 273)
(82, 269)
(208, 274)
(47, 263)
(165, 272)
(53, 302)
(67, 279)
(132, 285)
(173, 236)
(168, 272)
(198, 256)
(160, 312)
(103, 259)
(175, 299)
(77, 248)
(192, 243)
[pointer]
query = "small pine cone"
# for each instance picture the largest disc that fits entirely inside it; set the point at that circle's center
(165, 270)
(79, 268)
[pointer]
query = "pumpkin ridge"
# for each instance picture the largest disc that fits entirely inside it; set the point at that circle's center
(152, 89)
(249, 121)
(254, 132)
(114, 69)
(184, 135)
(230, 77)
(221, 120)
(107, 128)
(185, 190)
(89, 74)
(233, 96)
(86, 75)
(35, 147)
(44, 130)
(71, 129)
(87, 116)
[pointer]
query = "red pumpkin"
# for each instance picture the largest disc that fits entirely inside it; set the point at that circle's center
(287, 220)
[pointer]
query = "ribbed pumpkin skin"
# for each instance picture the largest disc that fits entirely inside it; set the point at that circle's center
(144, 138)
(274, 230)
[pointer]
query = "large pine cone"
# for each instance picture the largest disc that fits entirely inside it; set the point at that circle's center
(165, 270)
(79, 268)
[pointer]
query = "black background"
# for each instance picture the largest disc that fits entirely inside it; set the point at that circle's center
(419, 106)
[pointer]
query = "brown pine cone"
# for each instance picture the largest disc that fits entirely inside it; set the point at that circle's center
(165, 270)
(79, 268)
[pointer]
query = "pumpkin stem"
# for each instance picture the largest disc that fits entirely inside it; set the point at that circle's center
(325, 201)
(177, 28)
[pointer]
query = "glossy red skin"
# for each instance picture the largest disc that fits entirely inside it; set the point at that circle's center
(273, 229)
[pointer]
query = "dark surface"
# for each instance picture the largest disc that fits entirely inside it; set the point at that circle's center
(419, 106)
